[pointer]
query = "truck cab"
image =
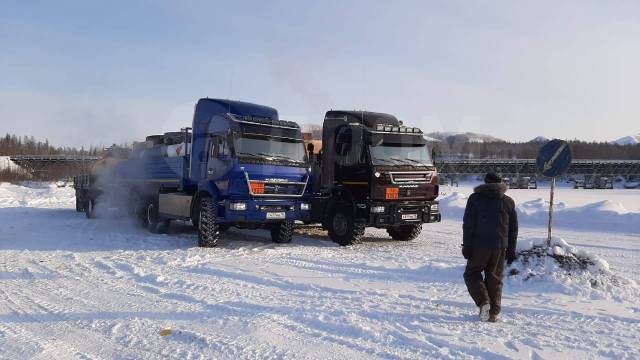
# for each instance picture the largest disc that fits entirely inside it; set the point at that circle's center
(239, 165)
(373, 172)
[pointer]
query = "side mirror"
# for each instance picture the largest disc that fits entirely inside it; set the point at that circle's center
(343, 140)
(343, 148)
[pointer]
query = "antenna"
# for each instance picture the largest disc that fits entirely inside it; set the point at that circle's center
(231, 75)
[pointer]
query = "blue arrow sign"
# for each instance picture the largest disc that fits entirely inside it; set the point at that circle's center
(554, 158)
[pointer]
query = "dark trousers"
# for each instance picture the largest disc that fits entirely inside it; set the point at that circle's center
(489, 289)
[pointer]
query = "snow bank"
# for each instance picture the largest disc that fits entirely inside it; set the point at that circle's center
(6, 163)
(36, 194)
(605, 215)
(566, 269)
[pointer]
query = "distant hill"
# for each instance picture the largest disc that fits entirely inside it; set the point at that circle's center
(628, 140)
(452, 136)
(539, 140)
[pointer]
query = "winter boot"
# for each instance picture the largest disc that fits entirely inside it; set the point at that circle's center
(484, 312)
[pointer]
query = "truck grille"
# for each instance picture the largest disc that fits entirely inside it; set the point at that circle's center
(282, 189)
(276, 188)
(410, 177)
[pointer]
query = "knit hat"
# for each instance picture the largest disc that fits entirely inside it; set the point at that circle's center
(492, 178)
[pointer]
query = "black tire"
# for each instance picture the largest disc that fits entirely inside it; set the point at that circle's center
(151, 218)
(195, 213)
(89, 209)
(342, 228)
(282, 232)
(208, 229)
(405, 232)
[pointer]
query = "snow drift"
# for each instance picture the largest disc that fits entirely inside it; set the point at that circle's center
(36, 195)
(564, 268)
(605, 215)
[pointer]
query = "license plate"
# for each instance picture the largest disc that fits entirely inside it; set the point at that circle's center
(409, 216)
(275, 215)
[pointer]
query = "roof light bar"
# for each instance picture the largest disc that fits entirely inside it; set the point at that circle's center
(264, 121)
(397, 129)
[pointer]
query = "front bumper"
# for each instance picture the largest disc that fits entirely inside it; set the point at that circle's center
(257, 211)
(400, 213)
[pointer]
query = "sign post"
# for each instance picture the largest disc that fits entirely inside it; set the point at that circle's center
(553, 160)
(553, 187)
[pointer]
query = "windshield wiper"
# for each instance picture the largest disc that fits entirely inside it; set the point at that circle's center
(417, 162)
(387, 160)
(402, 161)
(280, 156)
(248, 154)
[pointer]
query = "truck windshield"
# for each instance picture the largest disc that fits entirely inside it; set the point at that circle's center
(270, 147)
(391, 154)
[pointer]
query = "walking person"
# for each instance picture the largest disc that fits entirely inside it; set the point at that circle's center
(490, 232)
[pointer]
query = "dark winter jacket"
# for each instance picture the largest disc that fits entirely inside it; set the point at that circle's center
(490, 219)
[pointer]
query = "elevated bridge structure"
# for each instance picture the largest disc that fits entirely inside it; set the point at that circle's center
(629, 169)
(54, 166)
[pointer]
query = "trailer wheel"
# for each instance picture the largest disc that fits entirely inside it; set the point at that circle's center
(282, 232)
(343, 229)
(136, 206)
(151, 219)
(405, 232)
(208, 230)
(89, 210)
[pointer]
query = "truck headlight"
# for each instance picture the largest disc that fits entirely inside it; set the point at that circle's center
(434, 208)
(377, 209)
(305, 206)
(240, 206)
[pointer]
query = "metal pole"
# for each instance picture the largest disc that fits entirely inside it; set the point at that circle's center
(553, 187)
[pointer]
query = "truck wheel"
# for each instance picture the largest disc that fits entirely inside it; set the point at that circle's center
(282, 232)
(343, 230)
(151, 219)
(405, 232)
(208, 230)
(89, 210)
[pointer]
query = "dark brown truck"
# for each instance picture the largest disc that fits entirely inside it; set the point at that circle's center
(372, 171)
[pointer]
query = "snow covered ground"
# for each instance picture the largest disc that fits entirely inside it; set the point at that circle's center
(77, 288)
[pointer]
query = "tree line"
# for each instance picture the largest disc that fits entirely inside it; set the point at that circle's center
(11, 144)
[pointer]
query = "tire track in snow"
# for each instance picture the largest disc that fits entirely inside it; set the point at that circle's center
(31, 315)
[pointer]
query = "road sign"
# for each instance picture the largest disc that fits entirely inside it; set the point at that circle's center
(554, 158)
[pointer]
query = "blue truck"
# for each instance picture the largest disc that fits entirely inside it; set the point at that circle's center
(238, 165)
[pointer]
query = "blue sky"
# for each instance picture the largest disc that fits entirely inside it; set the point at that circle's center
(82, 72)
